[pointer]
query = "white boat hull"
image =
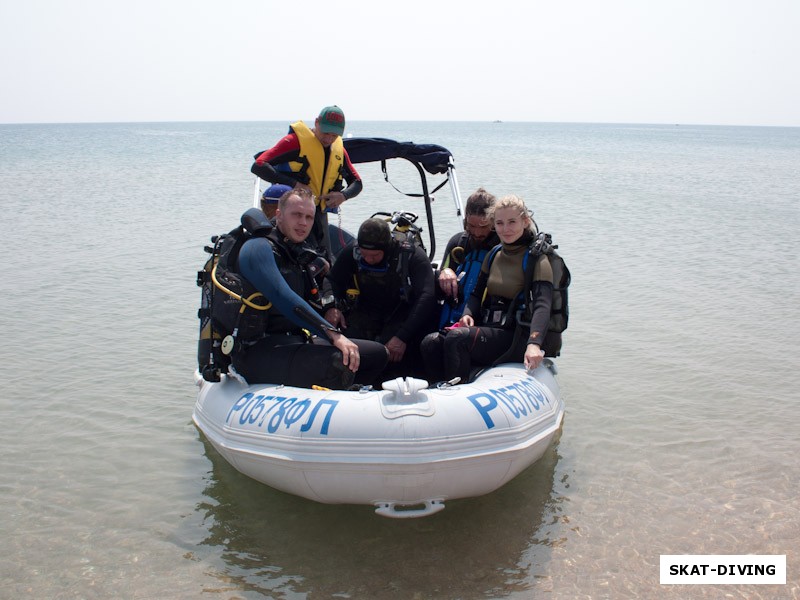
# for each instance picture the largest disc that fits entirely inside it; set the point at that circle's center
(405, 451)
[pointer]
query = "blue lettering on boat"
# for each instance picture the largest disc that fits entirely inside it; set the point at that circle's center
(484, 408)
(521, 399)
(516, 407)
(274, 411)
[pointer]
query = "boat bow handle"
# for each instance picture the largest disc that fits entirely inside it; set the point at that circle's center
(397, 510)
(406, 389)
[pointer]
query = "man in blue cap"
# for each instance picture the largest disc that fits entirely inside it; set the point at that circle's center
(270, 197)
(315, 158)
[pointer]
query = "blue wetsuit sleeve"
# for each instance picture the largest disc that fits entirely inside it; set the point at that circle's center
(257, 264)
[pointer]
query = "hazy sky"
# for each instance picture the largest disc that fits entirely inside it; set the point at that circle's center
(630, 61)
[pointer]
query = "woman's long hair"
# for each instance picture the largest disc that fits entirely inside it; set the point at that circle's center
(515, 202)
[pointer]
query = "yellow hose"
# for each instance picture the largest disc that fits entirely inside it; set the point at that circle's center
(243, 300)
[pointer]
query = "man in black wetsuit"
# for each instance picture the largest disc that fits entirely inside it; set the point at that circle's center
(464, 254)
(384, 291)
(279, 349)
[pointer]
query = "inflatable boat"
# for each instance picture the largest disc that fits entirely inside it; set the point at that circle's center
(405, 449)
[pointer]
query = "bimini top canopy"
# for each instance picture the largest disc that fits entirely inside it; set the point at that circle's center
(432, 158)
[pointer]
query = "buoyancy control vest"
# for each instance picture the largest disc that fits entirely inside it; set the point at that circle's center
(387, 280)
(467, 271)
(559, 312)
(321, 177)
(233, 313)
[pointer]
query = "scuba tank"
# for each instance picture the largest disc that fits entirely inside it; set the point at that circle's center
(226, 297)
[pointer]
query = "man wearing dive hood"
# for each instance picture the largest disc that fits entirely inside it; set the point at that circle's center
(384, 291)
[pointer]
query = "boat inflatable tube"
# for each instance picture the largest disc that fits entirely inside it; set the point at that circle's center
(405, 450)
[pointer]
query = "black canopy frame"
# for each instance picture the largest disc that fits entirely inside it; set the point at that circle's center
(436, 160)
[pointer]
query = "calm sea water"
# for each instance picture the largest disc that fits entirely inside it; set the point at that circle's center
(679, 371)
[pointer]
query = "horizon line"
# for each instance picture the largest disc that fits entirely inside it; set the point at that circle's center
(495, 121)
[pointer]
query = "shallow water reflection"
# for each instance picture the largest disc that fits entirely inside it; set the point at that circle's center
(281, 545)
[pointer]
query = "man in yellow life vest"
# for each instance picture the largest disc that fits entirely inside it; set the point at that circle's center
(314, 158)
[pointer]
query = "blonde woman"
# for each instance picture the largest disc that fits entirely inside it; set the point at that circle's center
(485, 332)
